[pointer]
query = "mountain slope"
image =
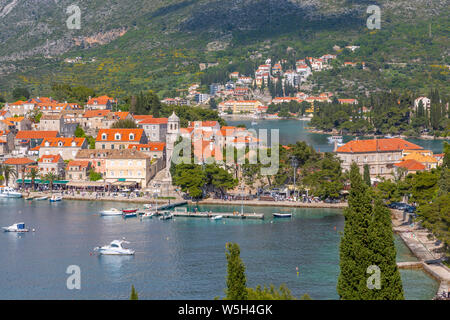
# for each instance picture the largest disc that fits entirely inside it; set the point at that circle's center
(136, 45)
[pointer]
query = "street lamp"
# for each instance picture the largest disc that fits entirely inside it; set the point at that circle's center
(294, 163)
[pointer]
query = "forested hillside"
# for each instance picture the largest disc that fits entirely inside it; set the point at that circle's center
(128, 46)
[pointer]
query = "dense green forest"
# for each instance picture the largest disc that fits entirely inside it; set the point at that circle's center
(386, 113)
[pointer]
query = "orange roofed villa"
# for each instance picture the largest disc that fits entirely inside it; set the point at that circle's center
(385, 156)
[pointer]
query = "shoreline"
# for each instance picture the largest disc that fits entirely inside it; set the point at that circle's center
(416, 240)
(336, 132)
(256, 203)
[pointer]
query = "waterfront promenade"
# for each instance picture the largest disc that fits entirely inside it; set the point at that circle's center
(426, 248)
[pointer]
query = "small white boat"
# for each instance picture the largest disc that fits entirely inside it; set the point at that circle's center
(17, 227)
(114, 248)
(282, 215)
(219, 217)
(111, 212)
(147, 215)
(8, 192)
(41, 198)
(55, 198)
(254, 123)
(148, 206)
(334, 139)
(166, 216)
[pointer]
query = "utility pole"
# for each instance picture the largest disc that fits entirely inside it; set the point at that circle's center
(294, 163)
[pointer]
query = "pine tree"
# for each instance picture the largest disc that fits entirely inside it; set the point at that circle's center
(134, 294)
(236, 279)
(367, 175)
(383, 255)
(354, 252)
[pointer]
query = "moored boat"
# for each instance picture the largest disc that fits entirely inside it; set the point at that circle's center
(41, 198)
(147, 215)
(130, 210)
(282, 215)
(166, 216)
(114, 248)
(17, 227)
(219, 217)
(111, 212)
(55, 198)
(8, 192)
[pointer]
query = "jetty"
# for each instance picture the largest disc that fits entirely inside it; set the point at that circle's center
(169, 205)
(225, 215)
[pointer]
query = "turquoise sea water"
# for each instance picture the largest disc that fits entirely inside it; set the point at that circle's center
(179, 259)
(292, 131)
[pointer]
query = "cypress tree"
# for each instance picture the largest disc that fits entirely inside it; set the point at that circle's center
(133, 295)
(236, 280)
(354, 252)
(383, 255)
(367, 175)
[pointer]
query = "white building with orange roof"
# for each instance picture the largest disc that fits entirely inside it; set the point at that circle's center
(156, 150)
(27, 140)
(66, 147)
(379, 154)
(279, 100)
(102, 103)
(119, 138)
(51, 164)
(78, 170)
(425, 157)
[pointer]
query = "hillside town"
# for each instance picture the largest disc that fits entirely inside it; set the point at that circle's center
(106, 158)
(246, 95)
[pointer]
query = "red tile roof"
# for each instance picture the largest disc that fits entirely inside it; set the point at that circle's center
(78, 163)
(53, 158)
(102, 100)
(124, 134)
(18, 161)
(377, 145)
(152, 146)
(62, 142)
(28, 134)
(154, 121)
(410, 165)
(95, 113)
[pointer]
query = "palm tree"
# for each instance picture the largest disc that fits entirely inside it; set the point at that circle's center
(23, 177)
(33, 174)
(50, 177)
(8, 172)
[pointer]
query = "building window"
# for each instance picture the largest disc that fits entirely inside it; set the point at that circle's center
(131, 136)
(103, 146)
(104, 136)
(112, 146)
(117, 136)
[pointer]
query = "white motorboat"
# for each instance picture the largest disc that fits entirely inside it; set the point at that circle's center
(17, 227)
(148, 206)
(55, 198)
(334, 139)
(148, 214)
(41, 198)
(114, 248)
(8, 192)
(282, 215)
(166, 216)
(111, 212)
(254, 123)
(219, 217)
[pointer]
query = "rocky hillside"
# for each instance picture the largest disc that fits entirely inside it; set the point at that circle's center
(172, 37)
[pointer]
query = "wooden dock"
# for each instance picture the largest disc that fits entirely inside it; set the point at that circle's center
(225, 215)
(410, 265)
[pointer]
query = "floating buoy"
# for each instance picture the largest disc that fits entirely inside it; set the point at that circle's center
(34, 230)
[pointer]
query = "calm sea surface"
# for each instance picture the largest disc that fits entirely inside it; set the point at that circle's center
(292, 131)
(179, 259)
